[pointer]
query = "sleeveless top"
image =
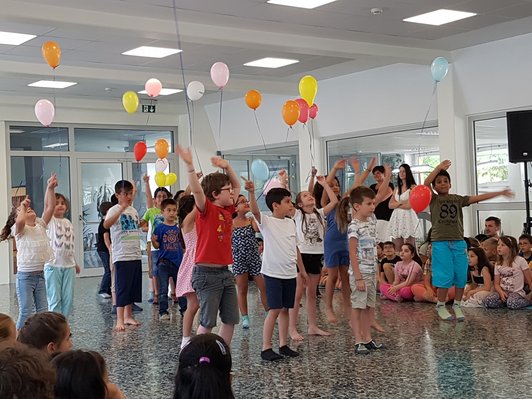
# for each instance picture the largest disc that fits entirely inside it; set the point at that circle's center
(383, 211)
(245, 248)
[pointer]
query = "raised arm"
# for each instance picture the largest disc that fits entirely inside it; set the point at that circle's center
(367, 171)
(333, 200)
(49, 199)
(147, 189)
(444, 165)
(195, 187)
(313, 172)
(20, 221)
(253, 205)
(384, 190)
(219, 162)
(283, 179)
(483, 197)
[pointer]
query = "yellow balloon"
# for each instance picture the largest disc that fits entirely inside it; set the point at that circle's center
(130, 101)
(171, 178)
(308, 88)
(160, 179)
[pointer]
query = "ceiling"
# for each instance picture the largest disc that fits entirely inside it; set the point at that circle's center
(336, 39)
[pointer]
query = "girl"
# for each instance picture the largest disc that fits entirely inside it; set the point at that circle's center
(407, 272)
(61, 269)
(8, 331)
(404, 225)
(113, 392)
(246, 259)
(481, 277)
(511, 272)
(48, 332)
(33, 251)
(204, 370)
(310, 226)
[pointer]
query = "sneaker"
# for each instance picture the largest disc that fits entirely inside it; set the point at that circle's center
(270, 355)
(113, 310)
(164, 316)
(245, 322)
(286, 351)
(136, 308)
(104, 295)
(372, 345)
(361, 349)
(150, 300)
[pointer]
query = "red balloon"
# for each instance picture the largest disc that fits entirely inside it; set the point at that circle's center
(313, 111)
(140, 150)
(303, 110)
(420, 197)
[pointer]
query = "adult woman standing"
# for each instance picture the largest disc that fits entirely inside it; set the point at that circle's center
(382, 210)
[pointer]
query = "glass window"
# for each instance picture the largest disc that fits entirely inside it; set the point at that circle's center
(117, 140)
(512, 221)
(33, 138)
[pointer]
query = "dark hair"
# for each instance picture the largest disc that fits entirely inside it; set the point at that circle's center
(481, 237)
(164, 190)
(114, 200)
(388, 244)
(6, 230)
(356, 196)
(168, 201)
(104, 207)
(378, 168)
(494, 219)
(511, 243)
(259, 239)
(123, 186)
(304, 225)
(415, 256)
(483, 261)
(61, 196)
(213, 183)
(204, 369)
(472, 242)
(79, 375)
(6, 324)
(179, 192)
(527, 237)
(276, 196)
(185, 205)
(443, 173)
(380, 245)
(410, 181)
(317, 192)
(42, 328)
(235, 213)
(25, 373)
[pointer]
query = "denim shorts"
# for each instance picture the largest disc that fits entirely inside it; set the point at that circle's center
(216, 291)
(449, 264)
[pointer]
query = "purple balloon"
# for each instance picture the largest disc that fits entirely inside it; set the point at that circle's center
(220, 74)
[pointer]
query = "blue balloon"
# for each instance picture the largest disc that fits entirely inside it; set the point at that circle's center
(260, 170)
(439, 68)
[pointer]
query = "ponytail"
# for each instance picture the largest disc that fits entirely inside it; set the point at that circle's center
(342, 213)
(6, 231)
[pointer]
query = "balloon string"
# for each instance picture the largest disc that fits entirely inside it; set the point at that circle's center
(430, 105)
(265, 185)
(287, 131)
(311, 149)
(260, 132)
(148, 118)
(220, 121)
(190, 137)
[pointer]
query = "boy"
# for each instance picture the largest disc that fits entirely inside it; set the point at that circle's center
(525, 247)
(165, 240)
(122, 221)
(386, 269)
(279, 261)
(449, 250)
(211, 279)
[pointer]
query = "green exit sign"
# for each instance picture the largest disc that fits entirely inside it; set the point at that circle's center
(150, 109)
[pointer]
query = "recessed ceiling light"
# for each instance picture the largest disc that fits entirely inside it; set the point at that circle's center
(270, 62)
(440, 17)
(164, 91)
(52, 84)
(152, 52)
(14, 39)
(301, 3)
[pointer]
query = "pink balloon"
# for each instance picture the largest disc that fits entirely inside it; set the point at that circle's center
(153, 87)
(45, 112)
(313, 111)
(220, 74)
(303, 110)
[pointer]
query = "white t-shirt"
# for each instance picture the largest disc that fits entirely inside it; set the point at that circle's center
(512, 278)
(279, 258)
(309, 231)
(125, 234)
(33, 247)
(61, 235)
(366, 234)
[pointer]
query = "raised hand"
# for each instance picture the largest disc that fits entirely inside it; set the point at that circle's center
(444, 165)
(313, 171)
(508, 193)
(184, 153)
(355, 164)
(372, 163)
(26, 203)
(219, 162)
(248, 185)
(340, 164)
(321, 180)
(52, 181)
(146, 178)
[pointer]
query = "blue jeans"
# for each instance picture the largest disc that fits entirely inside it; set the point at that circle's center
(105, 285)
(165, 271)
(31, 295)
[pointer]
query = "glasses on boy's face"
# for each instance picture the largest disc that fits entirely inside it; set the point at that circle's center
(227, 188)
(242, 202)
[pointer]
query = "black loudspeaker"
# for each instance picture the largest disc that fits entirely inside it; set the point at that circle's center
(519, 125)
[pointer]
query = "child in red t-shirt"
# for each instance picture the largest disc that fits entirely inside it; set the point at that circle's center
(211, 278)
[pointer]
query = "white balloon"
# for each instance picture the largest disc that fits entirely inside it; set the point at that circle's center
(195, 90)
(161, 165)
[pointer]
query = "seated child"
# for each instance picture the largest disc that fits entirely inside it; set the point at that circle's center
(113, 392)
(48, 332)
(387, 263)
(481, 277)
(8, 331)
(407, 272)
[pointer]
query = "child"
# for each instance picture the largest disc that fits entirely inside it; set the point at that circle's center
(204, 369)
(449, 250)
(525, 247)
(246, 259)
(511, 273)
(8, 331)
(165, 240)
(481, 277)
(60, 271)
(123, 222)
(211, 278)
(407, 273)
(103, 246)
(363, 256)
(48, 332)
(33, 251)
(279, 266)
(490, 247)
(112, 391)
(387, 264)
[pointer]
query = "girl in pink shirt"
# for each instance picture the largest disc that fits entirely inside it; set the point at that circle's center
(407, 273)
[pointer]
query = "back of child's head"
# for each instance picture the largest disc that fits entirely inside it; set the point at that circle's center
(472, 242)
(213, 184)
(61, 196)
(42, 329)
(167, 202)
(179, 194)
(8, 330)
(204, 370)
(25, 373)
(276, 196)
(104, 207)
(441, 173)
(162, 190)
(123, 186)
(6, 230)
(79, 375)
(185, 206)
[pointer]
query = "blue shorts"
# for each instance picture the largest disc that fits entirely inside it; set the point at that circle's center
(128, 282)
(336, 258)
(280, 292)
(449, 264)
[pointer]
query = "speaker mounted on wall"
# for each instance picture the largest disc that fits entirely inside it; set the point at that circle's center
(519, 124)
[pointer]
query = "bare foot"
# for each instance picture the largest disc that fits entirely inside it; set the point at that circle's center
(132, 322)
(318, 331)
(119, 327)
(296, 336)
(376, 326)
(331, 317)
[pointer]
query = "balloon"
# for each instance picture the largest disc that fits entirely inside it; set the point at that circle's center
(260, 170)
(220, 74)
(45, 112)
(195, 90)
(161, 165)
(153, 87)
(439, 68)
(290, 112)
(171, 178)
(140, 150)
(161, 148)
(160, 179)
(308, 87)
(420, 197)
(51, 53)
(313, 111)
(303, 110)
(253, 99)
(130, 101)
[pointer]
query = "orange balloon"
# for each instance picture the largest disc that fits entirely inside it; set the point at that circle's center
(253, 99)
(52, 53)
(290, 112)
(161, 148)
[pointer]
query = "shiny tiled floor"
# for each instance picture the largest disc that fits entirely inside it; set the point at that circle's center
(488, 356)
